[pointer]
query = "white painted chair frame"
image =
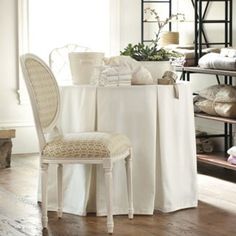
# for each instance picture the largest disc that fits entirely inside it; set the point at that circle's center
(107, 163)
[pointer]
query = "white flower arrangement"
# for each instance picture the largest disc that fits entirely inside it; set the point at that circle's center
(180, 17)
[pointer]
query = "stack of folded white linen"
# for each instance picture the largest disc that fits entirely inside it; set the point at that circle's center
(115, 75)
(139, 74)
(217, 100)
(188, 54)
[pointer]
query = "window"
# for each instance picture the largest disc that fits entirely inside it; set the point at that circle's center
(56, 23)
(48, 24)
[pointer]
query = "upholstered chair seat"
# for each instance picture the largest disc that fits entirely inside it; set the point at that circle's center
(87, 145)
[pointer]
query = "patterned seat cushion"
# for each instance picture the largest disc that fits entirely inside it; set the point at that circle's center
(87, 145)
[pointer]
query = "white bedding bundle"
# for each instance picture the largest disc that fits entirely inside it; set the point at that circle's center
(225, 60)
(228, 52)
(217, 61)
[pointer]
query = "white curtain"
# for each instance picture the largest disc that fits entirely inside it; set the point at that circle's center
(47, 24)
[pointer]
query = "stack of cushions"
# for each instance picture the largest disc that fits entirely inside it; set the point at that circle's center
(218, 100)
(188, 53)
(225, 60)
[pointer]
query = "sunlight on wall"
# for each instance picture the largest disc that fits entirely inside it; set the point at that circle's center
(56, 23)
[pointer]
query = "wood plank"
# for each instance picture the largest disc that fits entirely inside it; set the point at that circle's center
(217, 159)
(197, 69)
(216, 118)
(7, 133)
(21, 215)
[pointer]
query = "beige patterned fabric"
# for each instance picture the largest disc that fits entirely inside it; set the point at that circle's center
(219, 93)
(218, 108)
(87, 145)
(45, 91)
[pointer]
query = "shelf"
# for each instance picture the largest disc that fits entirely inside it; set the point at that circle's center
(217, 118)
(145, 22)
(201, 26)
(217, 159)
(196, 69)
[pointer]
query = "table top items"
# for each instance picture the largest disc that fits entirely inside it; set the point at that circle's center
(84, 65)
(140, 75)
(117, 75)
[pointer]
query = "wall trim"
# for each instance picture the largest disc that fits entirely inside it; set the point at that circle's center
(16, 124)
(114, 27)
(28, 154)
(23, 47)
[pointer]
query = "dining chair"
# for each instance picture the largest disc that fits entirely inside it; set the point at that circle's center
(86, 147)
(59, 61)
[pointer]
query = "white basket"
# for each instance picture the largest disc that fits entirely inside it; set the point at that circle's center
(84, 65)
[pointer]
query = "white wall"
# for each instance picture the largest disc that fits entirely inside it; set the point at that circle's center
(131, 20)
(18, 116)
(13, 115)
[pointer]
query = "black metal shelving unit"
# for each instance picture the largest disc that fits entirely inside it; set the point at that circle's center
(144, 23)
(201, 40)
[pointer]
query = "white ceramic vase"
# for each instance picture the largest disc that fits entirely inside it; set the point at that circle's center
(157, 68)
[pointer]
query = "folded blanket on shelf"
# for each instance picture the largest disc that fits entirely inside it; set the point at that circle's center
(217, 61)
(188, 53)
(228, 52)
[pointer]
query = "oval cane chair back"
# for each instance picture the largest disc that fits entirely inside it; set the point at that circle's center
(43, 92)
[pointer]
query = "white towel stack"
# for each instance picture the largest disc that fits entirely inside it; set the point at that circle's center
(115, 76)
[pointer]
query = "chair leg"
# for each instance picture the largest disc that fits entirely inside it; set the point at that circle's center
(44, 181)
(59, 189)
(128, 162)
(107, 165)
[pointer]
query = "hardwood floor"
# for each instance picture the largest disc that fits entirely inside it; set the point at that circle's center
(20, 213)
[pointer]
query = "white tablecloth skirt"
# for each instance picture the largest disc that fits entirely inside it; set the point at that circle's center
(161, 129)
